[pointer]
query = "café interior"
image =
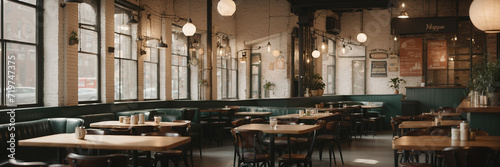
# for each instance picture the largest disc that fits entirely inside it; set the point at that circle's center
(90, 83)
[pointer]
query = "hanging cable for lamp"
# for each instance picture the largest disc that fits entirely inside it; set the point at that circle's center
(269, 28)
(189, 28)
(361, 36)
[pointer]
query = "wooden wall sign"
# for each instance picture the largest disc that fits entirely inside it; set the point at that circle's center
(379, 69)
(411, 57)
(378, 55)
(424, 25)
(392, 63)
(437, 55)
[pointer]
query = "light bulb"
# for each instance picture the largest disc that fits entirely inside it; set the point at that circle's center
(343, 50)
(316, 53)
(226, 7)
(307, 60)
(362, 37)
(395, 38)
(268, 46)
(323, 45)
(189, 28)
(403, 5)
(276, 53)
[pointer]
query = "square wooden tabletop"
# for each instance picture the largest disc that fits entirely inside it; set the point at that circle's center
(441, 142)
(113, 142)
(427, 124)
(282, 129)
(117, 124)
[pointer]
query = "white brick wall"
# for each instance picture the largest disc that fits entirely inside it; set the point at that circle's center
(53, 53)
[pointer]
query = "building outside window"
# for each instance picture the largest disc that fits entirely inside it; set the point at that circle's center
(88, 51)
(151, 71)
(20, 52)
(180, 67)
(227, 70)
(125, 56)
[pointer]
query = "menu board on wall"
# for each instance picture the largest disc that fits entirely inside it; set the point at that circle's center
(379, 69)
(437, 55)
(410, 57)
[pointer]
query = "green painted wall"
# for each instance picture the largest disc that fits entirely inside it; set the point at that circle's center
(435, 97)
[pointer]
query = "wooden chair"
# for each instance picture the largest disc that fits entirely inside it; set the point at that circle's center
(300, 158)
(174, 154)
(469, 156)
(331, 136)
(414, 155)
(249, 149)
(184, 131)
(113, 160)
(16, 163)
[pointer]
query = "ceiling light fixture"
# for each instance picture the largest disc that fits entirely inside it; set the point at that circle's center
(484, 14)
(362, 36)
(276, 53)
(189, 28)
(403, 14)
(226, 7)
(315, 54)
(269, 28)
(243, 58)
(132, 20)
(323, 44)
(161, 45)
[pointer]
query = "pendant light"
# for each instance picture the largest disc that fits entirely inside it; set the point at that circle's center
(276, 53)
(161, 45)
(362, 36)
(243, 58)
(315, 54)
(323, 44)
(403, 14)
(189, 29)
(132, 20)
(226, 7)
(269, 28)
(484, 14)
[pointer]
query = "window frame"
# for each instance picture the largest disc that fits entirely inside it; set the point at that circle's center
(98, 53)
(38, 7)
(120, 59)
(188, 67)
(157, 63)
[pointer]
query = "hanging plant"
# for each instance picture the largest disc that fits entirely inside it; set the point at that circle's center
(73, 38)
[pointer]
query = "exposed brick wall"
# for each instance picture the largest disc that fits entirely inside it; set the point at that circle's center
(107, 58)
(71, 57)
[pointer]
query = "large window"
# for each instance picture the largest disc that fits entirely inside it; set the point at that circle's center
(180, 67)
(125, 56)
(88, 51)
(151, 71)
(19, 49)
(227, 70)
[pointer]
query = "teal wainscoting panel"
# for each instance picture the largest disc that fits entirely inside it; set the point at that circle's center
(435, 97)
(391, 108)
(489, 122)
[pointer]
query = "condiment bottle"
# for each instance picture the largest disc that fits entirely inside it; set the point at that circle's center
(464, 131)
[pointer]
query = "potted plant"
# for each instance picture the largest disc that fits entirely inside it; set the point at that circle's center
(485, 82)
(317, 85)
(73, 38)
(267, 87)
(394, 83)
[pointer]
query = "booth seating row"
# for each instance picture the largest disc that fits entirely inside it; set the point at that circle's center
(31, 129)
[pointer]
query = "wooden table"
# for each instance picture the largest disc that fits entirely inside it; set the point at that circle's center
(280, 129)
(440, 142)
(445, 114)
(253, 113)
(312, 117)
(427, 124)
(114, 142)
(329, 109)
(117, 124)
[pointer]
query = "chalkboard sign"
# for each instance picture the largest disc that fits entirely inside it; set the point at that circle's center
(379, 69)
(437, 55)
(410, 57)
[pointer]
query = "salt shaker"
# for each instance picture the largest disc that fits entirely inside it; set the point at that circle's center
(142, 119)
(455, 133)
(464, 131)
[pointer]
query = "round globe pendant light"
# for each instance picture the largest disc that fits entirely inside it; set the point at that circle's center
(276, 53)
(485, 15)
(189, 28)
(361, 36)
(316, 53)
(226, 7)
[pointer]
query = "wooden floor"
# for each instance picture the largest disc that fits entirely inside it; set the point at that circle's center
(369, 151)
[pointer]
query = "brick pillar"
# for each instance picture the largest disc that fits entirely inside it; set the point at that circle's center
(53, 53)
(71, 57)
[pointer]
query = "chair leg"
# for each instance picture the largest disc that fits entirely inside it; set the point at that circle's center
(320, 148)
(340, 152)
(332, 153)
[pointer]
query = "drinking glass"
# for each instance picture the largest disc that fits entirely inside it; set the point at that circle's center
(273, 122)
